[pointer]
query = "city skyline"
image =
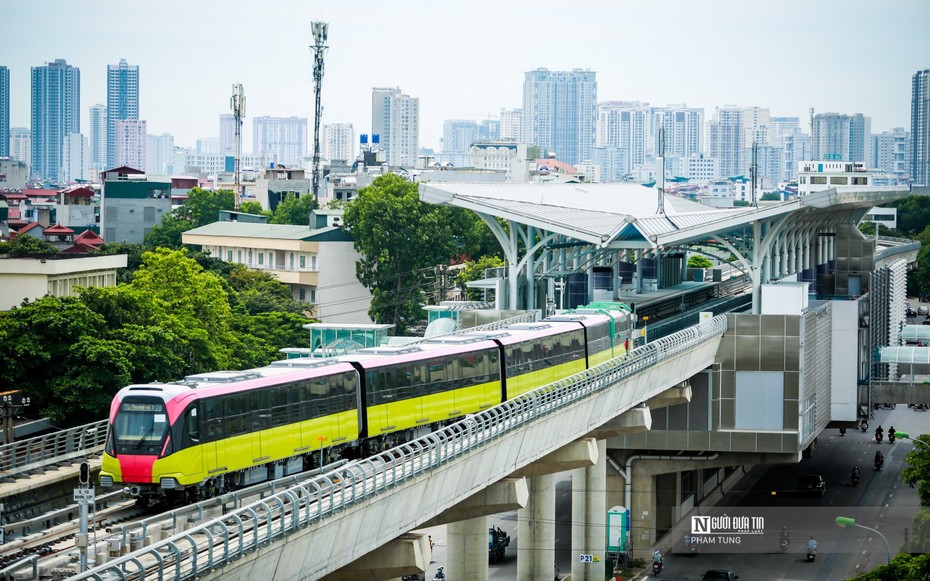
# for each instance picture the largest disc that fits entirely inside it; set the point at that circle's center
(468, 60)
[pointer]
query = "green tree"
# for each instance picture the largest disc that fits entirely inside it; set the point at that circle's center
(133, 254)
(771, 197)
(203, 206)
(401, 239)
(253, 207)
(920, 532)
(260, 292)
(474, 270)
(293, 210)
(26, 245)
(167, 233)
(698, 261)
(903, 567)
(916, 471)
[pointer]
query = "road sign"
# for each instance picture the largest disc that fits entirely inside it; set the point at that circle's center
(83, 495)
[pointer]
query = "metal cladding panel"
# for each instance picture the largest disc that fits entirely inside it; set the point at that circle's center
(586, 221)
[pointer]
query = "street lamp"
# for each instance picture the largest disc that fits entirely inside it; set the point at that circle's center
(844, 521)
(907, 436)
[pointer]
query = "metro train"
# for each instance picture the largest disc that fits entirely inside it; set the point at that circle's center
(214, 432)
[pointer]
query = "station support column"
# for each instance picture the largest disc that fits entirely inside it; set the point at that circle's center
(468, 549)
(589, 518)
(536, 531)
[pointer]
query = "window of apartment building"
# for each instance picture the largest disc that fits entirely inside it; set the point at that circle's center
(313, 263)
(818, 179)
(803, 179)
(863, 181)
(239, 255)
(312, 295)
(148, 214)
(301, 294)
(840, 181)
(229, 256)
(303, 261)
(261, 258)
(250, 257)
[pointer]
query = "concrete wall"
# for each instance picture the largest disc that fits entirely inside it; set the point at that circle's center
(341, 298)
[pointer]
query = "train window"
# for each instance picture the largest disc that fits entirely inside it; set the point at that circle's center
(191, 428)
(236, 415)
(260, 414)
(437, 372)
(320, 386)
(471, 368)
(213, 419)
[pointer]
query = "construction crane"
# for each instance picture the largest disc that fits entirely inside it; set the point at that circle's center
(237, 105)
(319, 47)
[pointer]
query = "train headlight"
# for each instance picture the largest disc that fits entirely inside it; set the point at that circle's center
(169, 483)
(106, 481)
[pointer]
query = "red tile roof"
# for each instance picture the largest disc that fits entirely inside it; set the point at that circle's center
(31, 226)
(13, 196)
(79, 191)
(33, 193)
(89, 237)
(58, 229)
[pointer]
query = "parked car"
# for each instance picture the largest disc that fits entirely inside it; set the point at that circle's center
(813, 484)
(923, 310)
(722, 574)
(909, 312)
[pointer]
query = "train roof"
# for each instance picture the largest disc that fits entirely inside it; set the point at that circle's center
(374, 357)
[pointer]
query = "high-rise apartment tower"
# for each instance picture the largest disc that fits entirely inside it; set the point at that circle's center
(122, 102)
(55, 113)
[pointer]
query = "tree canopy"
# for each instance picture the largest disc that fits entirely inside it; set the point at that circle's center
(293, 210)
(26, 245)
(200, 208)
(401, 239)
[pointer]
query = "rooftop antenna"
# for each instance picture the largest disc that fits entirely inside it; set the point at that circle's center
(660, 170)
(319, 47)
(237, 105)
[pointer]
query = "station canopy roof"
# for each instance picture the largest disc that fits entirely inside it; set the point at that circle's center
(627, 214)
(904, 355)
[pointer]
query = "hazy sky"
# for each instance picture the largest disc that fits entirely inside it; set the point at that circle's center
(466, 59)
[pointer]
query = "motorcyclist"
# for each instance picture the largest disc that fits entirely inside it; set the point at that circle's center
(785, 534)
(879, 431)
(811, 544)
(855, 473)
(891, 432)
(440, 574)
(656, 556)
(879, 457)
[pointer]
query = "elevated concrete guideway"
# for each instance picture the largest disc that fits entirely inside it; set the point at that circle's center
(359, 512)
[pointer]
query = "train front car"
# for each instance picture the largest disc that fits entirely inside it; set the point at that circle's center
(139, 436)
(217, 431)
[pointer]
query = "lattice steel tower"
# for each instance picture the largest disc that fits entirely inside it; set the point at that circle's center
(319, 47)
(237, 105)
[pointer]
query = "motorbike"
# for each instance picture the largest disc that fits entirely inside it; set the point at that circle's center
(891, 437)
(656, 567)
(855, 478)
(784, 543)
(878, 437)
(864, 425)
(812, 554)
(879, 462)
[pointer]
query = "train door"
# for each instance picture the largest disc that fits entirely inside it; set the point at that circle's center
(211, 425)
(259, 423)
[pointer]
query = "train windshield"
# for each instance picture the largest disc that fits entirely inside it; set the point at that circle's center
(140, 425)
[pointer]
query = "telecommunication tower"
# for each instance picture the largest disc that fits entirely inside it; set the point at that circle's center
(237, 105)
(319, 47)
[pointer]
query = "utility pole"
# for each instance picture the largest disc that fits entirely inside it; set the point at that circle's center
(319, 47)
(237, 105)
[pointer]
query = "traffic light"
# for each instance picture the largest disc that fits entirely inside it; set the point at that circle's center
(84, 476)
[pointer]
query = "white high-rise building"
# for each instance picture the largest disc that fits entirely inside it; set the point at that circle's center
(160, 154)
(560, 112)
(227, 134)
(339, 141)
(98, 136)
(21, 144)
(684, 130)
(458, 135)
(625, 125)
(726, 140)
(395, 119)
(55, 114)
(919, 154)
(511, 125)
(280, 140)
(890, 151)
(74, 159)
(131, 145)
(840, 137)
(122, 103)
